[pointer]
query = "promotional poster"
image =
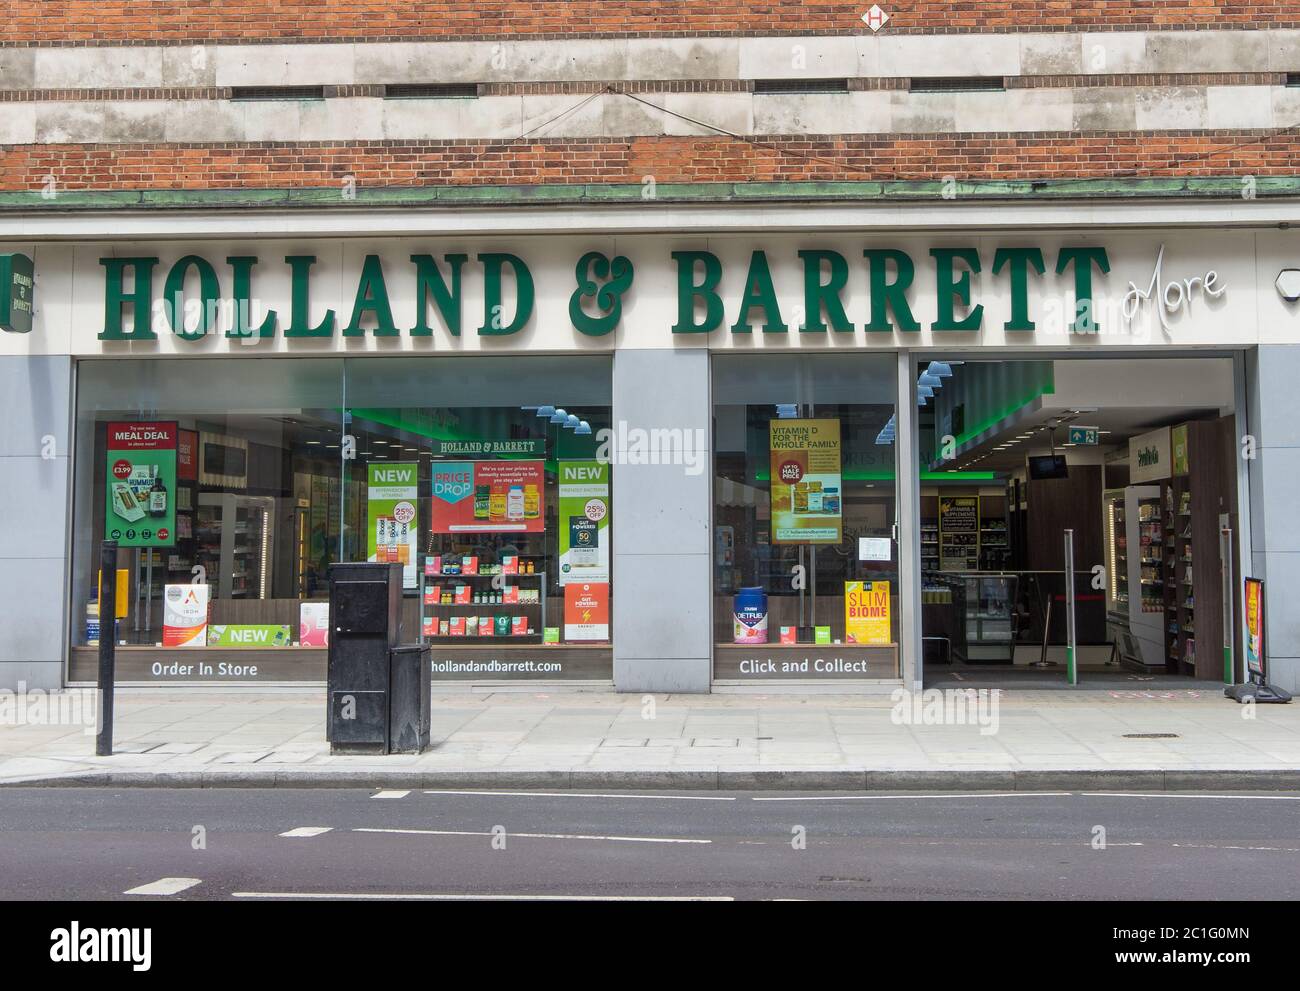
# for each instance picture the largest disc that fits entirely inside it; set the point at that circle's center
(1255, 627)
(185, 615)
(584, 522)
(806, 485)
(488, 497)
(586, 611)
(392, 531)
(867, 613)
(141, 484)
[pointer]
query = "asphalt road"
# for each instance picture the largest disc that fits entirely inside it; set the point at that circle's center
(70, 844)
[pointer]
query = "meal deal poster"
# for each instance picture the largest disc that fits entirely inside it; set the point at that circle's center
(488, 497)
(866, 613)
(586, 611)
(185, 615)
(806, 485)
(140, 483)
(391, 493)
(584, 522)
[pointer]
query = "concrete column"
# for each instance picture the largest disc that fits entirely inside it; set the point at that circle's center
(662, 513)
(1271, 373)
(35, 519)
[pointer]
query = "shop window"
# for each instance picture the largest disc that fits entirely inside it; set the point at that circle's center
(507, 556)
(805, 557)
(219, 478)
(231, 485)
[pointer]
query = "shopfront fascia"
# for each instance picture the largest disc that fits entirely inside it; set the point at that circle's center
(661, 311)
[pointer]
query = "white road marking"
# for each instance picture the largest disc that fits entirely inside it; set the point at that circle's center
(406, 896)
(872, 798)
(572, 794)
(390, 794)
(1215, 846)
(307, 831)
(1128, 794)
(165, 886)
(530, 836)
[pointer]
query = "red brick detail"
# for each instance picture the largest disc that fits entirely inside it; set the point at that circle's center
(106, 22)
(668, 159)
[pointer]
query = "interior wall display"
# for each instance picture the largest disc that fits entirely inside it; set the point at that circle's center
(806, 486)
(586, 611)
(313, 624)
(223, 461)
(248, 635)
(959, 533)
(140, 509)
(185, 615)
(392, 523)
(1181, 456)
(867, 613)
(187, 455)
(584, 521)
(488, 497)
(1149, 457)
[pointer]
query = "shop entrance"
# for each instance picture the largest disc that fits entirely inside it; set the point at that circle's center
(1136, 456)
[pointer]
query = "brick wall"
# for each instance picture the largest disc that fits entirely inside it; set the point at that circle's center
(64, 22)
(916, 157)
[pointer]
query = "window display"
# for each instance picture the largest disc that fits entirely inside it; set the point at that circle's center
(806, 555)
(245, 481)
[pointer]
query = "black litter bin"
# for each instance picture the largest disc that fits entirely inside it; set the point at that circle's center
(379, 691)
(411, 688)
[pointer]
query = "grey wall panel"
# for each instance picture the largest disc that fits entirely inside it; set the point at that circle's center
(35, 466)
(1271, 374)
(661, 514)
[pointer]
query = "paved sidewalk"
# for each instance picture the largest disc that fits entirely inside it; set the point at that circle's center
(1040, 739)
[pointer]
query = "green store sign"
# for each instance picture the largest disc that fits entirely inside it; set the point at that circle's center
(17, 293)
(596, 304)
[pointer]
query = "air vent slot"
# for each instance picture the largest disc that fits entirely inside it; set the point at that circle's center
(431, 91)
(277, 92)
(957, 84)
(801, 85)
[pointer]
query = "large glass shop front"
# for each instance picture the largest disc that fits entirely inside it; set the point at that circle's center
(230, 486)
(805, 545)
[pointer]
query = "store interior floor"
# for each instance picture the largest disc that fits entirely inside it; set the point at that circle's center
(1106, 678)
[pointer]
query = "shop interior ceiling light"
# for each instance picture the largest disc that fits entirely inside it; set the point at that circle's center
(940, 369)
(559, 416)
(545, 410)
